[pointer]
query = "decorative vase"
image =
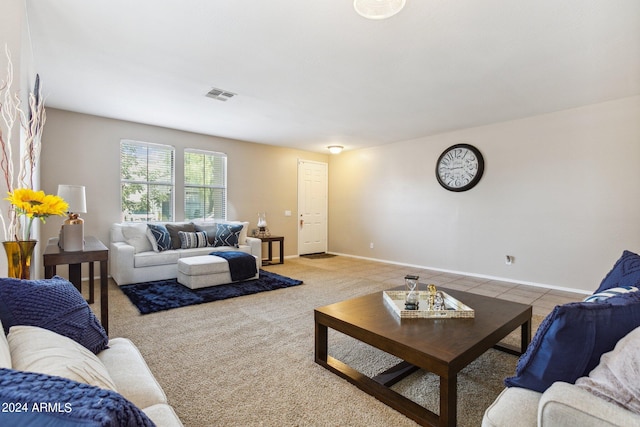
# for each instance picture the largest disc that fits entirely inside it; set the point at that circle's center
(19, 254)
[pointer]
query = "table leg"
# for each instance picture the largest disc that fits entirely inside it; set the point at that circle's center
(104, 296)
(269, 244)
(321, 349)
(75, 276)
(91, 273)
(49, 271)
(525, 335)
(448, 401)
(282, 251)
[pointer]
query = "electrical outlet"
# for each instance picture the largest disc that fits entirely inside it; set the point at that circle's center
(508, 259)
(287, 213)
(371, 245)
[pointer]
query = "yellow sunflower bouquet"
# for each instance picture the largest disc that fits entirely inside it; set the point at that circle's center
(35, 204)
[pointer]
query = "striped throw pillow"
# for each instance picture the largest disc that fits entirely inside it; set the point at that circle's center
(189, 240)
(601, 296)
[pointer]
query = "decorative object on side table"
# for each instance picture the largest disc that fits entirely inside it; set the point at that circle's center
(262, 230)
(30, 204)
(26, 204)
(72, 231)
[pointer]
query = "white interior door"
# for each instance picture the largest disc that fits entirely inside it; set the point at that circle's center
(312, 207)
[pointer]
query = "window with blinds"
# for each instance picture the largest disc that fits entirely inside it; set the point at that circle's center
(205, 185)
(147, 181)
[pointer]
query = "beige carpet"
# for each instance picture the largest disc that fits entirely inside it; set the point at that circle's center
(248, 361)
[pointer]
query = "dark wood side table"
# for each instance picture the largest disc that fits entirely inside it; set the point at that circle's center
(94, 250)
(269, 240)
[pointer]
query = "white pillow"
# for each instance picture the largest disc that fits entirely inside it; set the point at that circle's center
(5, 355)
(135, 234)
(40, 350)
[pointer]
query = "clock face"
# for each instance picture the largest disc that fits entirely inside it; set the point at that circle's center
(460, 167)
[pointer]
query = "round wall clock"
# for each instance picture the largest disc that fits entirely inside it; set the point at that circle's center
(460, 167)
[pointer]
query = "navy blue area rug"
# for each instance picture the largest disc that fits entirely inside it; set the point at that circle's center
(160, 295)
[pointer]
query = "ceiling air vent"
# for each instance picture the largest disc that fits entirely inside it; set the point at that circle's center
(220, 95)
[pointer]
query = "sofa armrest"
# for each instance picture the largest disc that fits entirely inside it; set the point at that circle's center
(514, 407)
(131, 374)
(567, 404)
(256, 247)
(121, 259)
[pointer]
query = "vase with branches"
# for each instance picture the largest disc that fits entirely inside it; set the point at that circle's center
(26, 203)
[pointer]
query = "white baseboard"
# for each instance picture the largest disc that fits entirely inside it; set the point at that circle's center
(464, 273)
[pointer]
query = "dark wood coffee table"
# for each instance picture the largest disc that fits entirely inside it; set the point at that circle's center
(441, 346)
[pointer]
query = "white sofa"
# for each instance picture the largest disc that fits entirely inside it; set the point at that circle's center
(562, 404)
(54, 354)
(132, 258)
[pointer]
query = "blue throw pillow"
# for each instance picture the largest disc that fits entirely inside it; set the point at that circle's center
(30, 399)
(227, 235)
(161, 236)
(570, 340)
(53, 304)
(625, 272)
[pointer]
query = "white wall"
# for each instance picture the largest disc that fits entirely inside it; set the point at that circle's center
(85, 150)
(14, 37)
(560, 193)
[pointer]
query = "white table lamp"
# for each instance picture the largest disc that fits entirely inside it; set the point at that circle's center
(72, 232)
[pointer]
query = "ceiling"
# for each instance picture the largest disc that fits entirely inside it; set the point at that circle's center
(309, 74)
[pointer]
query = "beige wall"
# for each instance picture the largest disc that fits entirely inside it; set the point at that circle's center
(84, 150)
(559, 193)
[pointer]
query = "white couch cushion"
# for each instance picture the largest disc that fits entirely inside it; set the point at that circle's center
(163, 415)
(514, 407)
(40, 350)
(131, 374)
(5, 355)
(148, 259)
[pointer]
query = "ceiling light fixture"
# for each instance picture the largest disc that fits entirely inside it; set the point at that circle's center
(378, 9)
(335, 149)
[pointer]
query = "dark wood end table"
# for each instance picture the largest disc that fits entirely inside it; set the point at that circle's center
(94, 251)
(441, 346)
(269, 240)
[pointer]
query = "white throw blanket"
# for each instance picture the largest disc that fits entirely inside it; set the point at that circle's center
(617, 377)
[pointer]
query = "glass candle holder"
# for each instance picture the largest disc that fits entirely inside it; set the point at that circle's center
(411, 285)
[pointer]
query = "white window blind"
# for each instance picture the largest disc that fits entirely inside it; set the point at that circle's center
(147, 181)
(205, 185)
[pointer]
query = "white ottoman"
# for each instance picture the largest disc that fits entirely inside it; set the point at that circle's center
(204, 271)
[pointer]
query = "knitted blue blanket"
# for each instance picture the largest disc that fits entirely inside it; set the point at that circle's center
(242, 266)
(29, 399)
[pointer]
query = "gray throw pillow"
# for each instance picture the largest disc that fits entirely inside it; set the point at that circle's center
(173, 230)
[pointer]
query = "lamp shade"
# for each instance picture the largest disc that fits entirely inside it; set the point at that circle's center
(74, 195)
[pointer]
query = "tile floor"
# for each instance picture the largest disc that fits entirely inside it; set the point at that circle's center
(543, 300)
